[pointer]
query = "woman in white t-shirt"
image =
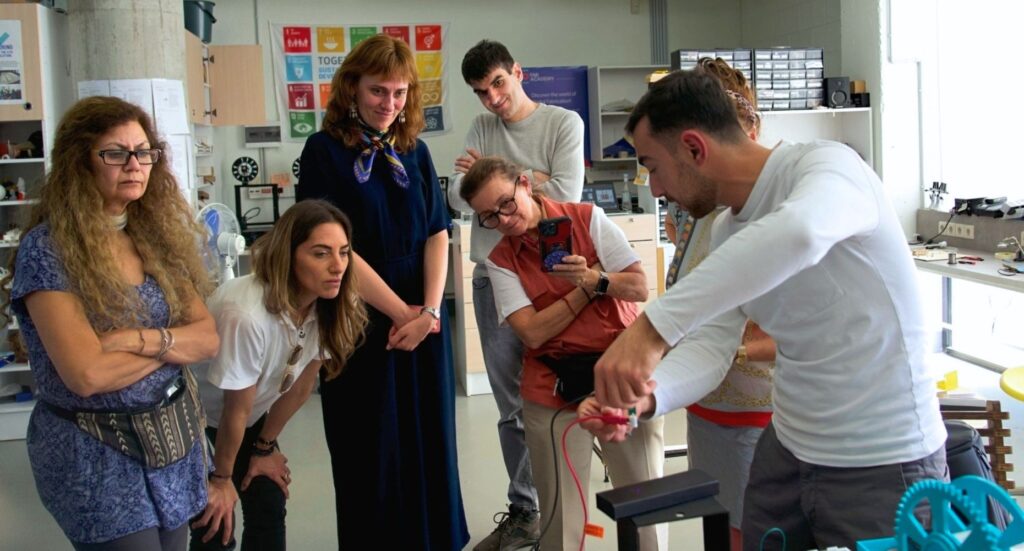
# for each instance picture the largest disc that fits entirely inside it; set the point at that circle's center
(297, 312)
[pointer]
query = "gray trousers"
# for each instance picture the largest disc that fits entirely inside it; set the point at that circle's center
(503, 359)
(150, 539)
(818, 506)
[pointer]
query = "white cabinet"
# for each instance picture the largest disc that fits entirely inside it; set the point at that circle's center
(851, 126)
(609, 90)
(469, 358)
(15, 375)
(46, 94)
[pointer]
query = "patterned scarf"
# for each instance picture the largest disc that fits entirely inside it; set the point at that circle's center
(379, 141)
(684, 233)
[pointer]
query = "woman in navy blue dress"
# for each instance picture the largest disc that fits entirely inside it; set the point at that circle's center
(390, 416)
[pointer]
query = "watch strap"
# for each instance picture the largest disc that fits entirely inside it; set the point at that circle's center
(602, 283)
(434, 312)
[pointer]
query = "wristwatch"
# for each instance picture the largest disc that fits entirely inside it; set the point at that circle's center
(434, 312)
(602, 284)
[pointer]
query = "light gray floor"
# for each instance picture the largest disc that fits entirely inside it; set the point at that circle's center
(25, 524)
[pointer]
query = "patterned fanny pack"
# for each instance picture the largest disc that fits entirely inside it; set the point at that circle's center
(156, 437)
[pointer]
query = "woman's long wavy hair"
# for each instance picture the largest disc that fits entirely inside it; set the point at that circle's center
(342, 319)
(160, 223)
(378, 55)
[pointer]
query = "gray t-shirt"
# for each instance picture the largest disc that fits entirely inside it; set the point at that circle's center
(550, 140)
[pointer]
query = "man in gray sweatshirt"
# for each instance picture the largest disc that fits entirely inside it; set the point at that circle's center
(548, 142)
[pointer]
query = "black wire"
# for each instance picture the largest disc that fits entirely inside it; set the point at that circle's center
(952, 213)
(554, 455)
(254, 211)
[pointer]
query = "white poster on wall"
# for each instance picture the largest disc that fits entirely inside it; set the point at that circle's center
(306, 56)
(90, 88)
(10, 62)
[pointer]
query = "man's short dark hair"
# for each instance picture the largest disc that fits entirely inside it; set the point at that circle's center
(688, 100)
(483, 58)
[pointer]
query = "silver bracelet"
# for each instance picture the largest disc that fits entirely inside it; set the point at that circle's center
(165, 343)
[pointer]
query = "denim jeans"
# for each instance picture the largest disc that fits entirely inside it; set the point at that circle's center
(263, 504)
(503, 359)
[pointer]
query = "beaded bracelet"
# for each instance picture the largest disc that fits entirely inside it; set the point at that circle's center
(220, 476)
(263, 452)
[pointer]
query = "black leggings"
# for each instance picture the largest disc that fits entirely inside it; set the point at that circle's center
(263, 504)
(150, 539)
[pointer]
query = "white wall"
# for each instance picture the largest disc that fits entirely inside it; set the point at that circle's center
(704, 24)
(605, 32)
(794, 23)
(537, 32)
(866, 53)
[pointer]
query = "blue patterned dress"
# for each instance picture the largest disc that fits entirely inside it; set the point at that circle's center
(95, 493)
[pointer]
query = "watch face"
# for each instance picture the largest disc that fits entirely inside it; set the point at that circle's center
(602, 284)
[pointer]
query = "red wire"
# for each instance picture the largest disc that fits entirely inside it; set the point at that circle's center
(575, 478)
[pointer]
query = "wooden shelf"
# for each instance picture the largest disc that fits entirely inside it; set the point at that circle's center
(15, 368)
(984, 272)
(816, 111)
(14, 203)
(17, 407)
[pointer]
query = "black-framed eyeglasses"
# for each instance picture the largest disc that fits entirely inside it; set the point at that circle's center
(507, 207)
(289, 371)
(119, 157)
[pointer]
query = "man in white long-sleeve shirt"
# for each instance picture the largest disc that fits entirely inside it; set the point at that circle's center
(548, 142)
(812, 251)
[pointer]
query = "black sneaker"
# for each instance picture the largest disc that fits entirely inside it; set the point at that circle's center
(519, 528)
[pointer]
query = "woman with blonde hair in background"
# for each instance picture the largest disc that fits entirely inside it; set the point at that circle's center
(108, 290)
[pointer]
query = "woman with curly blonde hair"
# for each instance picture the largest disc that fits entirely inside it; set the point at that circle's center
(298, 311)
(108, 289)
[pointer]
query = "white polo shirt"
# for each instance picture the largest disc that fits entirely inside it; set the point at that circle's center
(254, 348)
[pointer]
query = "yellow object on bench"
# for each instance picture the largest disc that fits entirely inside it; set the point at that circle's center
(1012, 382)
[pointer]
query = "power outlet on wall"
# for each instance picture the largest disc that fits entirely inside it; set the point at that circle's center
(962, 231)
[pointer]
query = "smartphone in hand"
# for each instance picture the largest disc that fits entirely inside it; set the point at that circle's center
(555, 241)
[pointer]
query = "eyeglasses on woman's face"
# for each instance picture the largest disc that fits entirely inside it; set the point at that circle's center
(120, 157)
(507, 207)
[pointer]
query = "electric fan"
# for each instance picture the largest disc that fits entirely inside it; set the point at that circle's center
(223, 242)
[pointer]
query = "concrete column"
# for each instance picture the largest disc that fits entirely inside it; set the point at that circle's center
(118, 39)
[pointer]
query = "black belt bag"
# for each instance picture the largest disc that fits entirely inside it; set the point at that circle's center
(155, 437)
(575, 374)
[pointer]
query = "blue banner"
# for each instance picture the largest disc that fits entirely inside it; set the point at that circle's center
(562, 86)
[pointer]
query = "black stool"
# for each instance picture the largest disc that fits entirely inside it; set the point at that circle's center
(685, 495)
